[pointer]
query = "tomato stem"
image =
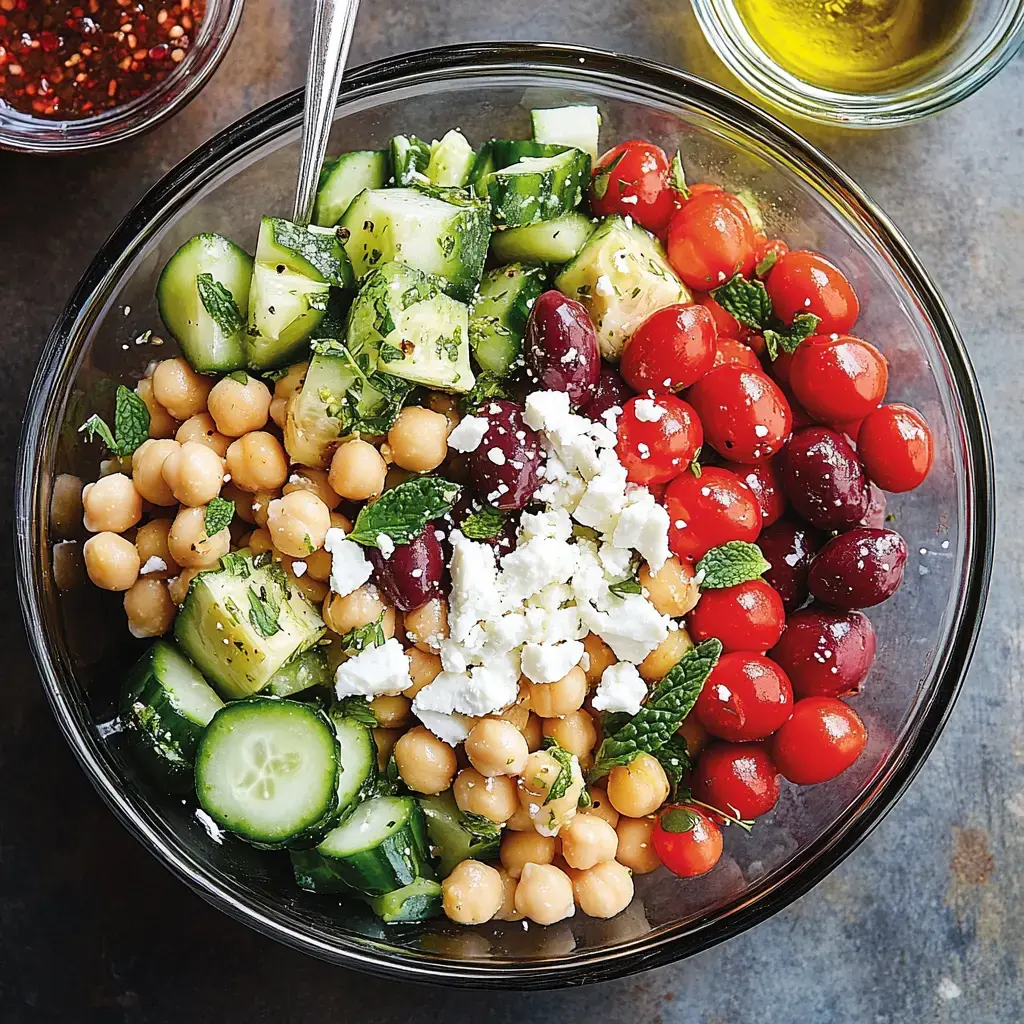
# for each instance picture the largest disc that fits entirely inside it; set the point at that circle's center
(747, 826)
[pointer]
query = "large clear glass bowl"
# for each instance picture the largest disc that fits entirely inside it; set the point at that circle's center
(927, 631)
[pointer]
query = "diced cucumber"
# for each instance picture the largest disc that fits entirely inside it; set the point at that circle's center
(207, 318)
(577, 126)
(316, 874)
(343, 178)
(483, 164)
(451, 160)
(442, 232)
(312, 252)
(358, 761)
(622, 276)
(381, 846)
(284, 310)
(500, 314)
(242, 622)
(411, 329)
(417, 901)
(165, 706)
(449, 833)
(550, 241)
(537, 188)
(510, 151)
(301, 673)
(267, 770)
(409, 159)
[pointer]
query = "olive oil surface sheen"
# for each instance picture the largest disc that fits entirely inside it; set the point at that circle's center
(855, 45)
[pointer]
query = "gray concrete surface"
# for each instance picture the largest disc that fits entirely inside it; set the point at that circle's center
(923, 923)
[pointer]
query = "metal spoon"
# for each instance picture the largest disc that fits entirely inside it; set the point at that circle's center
(333, 23)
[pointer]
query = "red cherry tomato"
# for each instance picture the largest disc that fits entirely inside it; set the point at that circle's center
(746, 697)
(769, 247)
(632, 181)
(895, 444)
(729, 350)
(764, 480)
(738, 778)
(709, 510)
(710, 239)
(658, 438)
(745, 415)
(726, 323)
(851, 428)
(837, 378)
(687, 840)
(804, 282)
(747, 617)
(779, 368)
(822, 739)
(672, 349)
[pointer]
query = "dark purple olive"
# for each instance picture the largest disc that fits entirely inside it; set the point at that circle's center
(858, 569)
(411, 576)
(789, 547)
(875, 515)
(826, 653)
(824, 480)
(561, 347)
(505, 464)
(468, 505)
(609, 391)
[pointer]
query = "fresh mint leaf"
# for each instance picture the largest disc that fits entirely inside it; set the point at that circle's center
(804, 326)
(390, 353)
(488, 387)
(747, 301)
(403, 512)
(627, 585)
(275, 375)
(264, 610)
(603, 177)
(356, 708)
(96, 426)
(678, 820)
(220, 304)
(479, 826)
(328, 347)
(563, 780)
(675, 759)
(361, 637)
(131, 421)
(586, 801)
(730, 564)
(219, 513)
(235, 563)
(765, 266)
(321, 250)
(483, 525)
(677, 177)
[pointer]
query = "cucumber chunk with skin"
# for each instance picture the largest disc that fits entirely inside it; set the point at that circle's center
(577, 126)
(417, 901)
(301, 673)
(358, 777)
(500, 313)
(316, 874)
(409, 159)
(550, 241)
(284, 310)
(537, 188)
(343, 178)
(453, 842)
(312, 252)
(451, 160)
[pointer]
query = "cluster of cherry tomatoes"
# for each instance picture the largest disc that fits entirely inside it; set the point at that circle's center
(796, 452)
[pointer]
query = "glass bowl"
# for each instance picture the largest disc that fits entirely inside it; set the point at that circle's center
(24, 133)
(927, 631)
(993, 33)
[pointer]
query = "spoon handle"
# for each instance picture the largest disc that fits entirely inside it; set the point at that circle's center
(333, 23)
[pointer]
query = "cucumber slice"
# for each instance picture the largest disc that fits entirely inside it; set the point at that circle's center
(284, 310)
(343, 178)
(165, 706)
(500, 314)
(510, 151)
(578, 127)
(313, 252)
(358, 762)
(211, 339)
(451, 160)
(483, 164)
(409, 159)
(449, 833)
(417, 901)
(550, 241)
(301, 673)
(537, 188)
(381, 846)
(267, 770)
(316, 874)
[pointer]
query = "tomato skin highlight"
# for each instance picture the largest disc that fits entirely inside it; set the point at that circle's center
(659, 450)
(806, 282)
(710, 240)
(746, 617)
(672, 349)
(822, 739)
(838, 378)
(713, 508)
(746, 697)
(738, 778)
(896, 446)
(637, 186)
(691, 853)
(731, 351)
(765, 480)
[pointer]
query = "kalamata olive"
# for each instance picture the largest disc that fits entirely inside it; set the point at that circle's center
(826, 653)
(789, 547)
(824, 479)
(610, 391)
(504, 465)
(411, 575)
(561, 347)
(858, 569)
(875, 515)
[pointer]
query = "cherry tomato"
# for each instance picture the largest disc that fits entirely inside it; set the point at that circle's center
(804, 282)
(851, 428)
(710, 239)
(703, 188)
(822, 739)
(745, 415)
(769, 247)
(895, 444)
(726, 323)
(657, 446)
(746, 617)
(729, 350)
(746, 697)
(780, 368)
(672, 349)
(688, 840)
(837, 378)
(632, 181)
(738, 778)
(709, 510)
(764, 480)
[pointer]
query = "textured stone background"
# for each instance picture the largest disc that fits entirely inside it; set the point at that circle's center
(923, 923)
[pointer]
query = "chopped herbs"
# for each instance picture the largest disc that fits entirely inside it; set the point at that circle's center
(563, 780)
(370, 635)
(401, 513)
(479, 826)
(264, 612)
(483, 525)
(356, 708)
(730, 564)
(488, 386)
(749, 302)
(219, 513)
(131, 424)
(677, 177)
(220, 304)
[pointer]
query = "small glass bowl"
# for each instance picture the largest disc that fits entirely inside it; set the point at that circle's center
(24, 133)
(994, 32)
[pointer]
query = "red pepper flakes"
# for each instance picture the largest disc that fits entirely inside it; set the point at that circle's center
(65, 60)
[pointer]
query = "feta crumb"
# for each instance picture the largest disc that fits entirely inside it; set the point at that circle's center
(604, 286)
(450, 729)
(497, 456)
(152, 564)
(374, 672)
(350, 568)
(620, 689)
(547, 663)
(466, 437)
(299, 568)
(647, 411)
(385, 545)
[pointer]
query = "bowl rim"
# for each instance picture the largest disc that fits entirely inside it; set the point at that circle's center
(820, 856)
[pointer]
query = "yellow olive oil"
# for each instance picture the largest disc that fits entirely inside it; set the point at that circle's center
(855, 45)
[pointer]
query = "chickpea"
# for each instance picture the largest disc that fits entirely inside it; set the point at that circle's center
(588, 840)
(495, 747)
(638, 788)
(179, 389)
(315, 591)
(359, 608)
(425, 763)
(603, 890)
(472, 893)
(385, 740)
(111, 505)
(427, 625)
(239, 408)
(520, 821)
(178, 587)
(496, 798)
(357, 470)
(260, 542)
(111, 561)
(447, 405)
(392, 712)
(424, 668)
(544, 894)
(553, 700)
(189, 544)
(549, 813)
(194, 473)
(148, 471)
(507, 911)
(292, 381)
(257, 462)
(151, 542)
(243, 503)
(149, 608)
(665, 655)
(533, 732)
(304, 479)
(520, 848)
(671, 589)
(115, 464)
(201, 429)
(279, 412)
(419, 439)
(575, 732)
(636, 848)
(161, 422)
(598, 657)
(695, 735)
(396, 475)
(518, 714)
(66, 505)
(601, 806)
(298, 523)
(259, 506)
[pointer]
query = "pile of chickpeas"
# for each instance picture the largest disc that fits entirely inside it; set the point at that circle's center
(223, 439)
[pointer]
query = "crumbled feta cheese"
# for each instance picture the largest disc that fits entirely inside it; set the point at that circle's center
(647, 411)
(482, 690)
(374, 672)
(350, 568)
(631, 626)
(604, 286)
(466, 437)
(299, 569)
(450, 729)
(385, 545)
(497, 456)
(547, 663)
(620, 689)
(643, 526)
(152, 564)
